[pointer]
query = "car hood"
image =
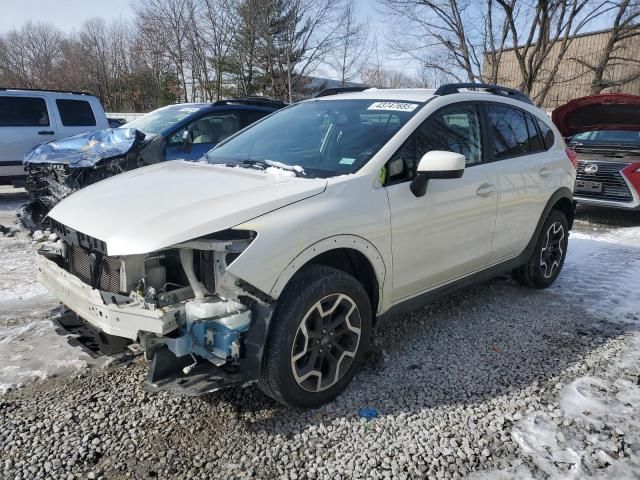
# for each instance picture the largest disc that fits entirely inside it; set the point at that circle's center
(86, 149)
(154, 207)
(611, 111)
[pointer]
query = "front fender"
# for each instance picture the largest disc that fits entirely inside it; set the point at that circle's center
(352, 242)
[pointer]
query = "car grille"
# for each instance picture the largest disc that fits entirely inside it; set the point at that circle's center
(110, 277)
(614, 186)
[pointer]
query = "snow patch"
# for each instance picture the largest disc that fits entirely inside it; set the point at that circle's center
(36, 351)
(601, 275)
(30, 348)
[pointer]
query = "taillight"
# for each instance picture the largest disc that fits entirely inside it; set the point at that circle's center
(573, 156)
(632, 173)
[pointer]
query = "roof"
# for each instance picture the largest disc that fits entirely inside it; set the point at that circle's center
(61, 93)
(470, 90)
(406, 94)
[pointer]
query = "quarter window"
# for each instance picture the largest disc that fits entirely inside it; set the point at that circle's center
(23, 112)
(454, 129)
(76, 113)
(535, 141)
(547, 134)
(510, 134)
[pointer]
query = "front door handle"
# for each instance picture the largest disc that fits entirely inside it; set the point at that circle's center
(544, 172)
(485, 189)
(46, 132)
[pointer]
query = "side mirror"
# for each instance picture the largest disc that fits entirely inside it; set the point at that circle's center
(437, 164)
(187, 137)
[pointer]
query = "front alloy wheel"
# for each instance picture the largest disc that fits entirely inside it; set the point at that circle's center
(326, 342)
(319, 337)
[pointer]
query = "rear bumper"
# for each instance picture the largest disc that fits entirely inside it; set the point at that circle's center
(634, 205)
(120, 320)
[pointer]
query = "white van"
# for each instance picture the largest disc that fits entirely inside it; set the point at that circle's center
(31, 117)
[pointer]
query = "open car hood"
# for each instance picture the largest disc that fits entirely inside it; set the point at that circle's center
(609, 111)
(154, 207)
(86, 149)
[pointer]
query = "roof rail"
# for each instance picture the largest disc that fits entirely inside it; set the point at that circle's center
(4, 89)
(256, 101)
(451, 88)
(336, 90)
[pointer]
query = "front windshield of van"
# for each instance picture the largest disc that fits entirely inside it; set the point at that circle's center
(321, 138)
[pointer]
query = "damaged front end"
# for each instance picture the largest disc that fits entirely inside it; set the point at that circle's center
(203, 328)
(56, 169)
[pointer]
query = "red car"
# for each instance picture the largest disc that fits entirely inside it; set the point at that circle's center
(604, 130)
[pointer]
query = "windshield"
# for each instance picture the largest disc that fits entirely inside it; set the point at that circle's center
(321, 138)
(161, 119)
(607, 136)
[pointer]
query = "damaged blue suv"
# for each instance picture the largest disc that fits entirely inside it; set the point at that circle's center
(184, 131)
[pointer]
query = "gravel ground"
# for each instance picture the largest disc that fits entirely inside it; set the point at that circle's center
(478, 384)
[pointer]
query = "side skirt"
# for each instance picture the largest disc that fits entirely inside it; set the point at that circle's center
(426, 298)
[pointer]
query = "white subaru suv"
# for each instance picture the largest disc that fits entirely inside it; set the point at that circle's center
(274, 257)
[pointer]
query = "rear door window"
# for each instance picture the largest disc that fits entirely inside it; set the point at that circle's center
(211, 128)
(76, 113)
(509, 129)
(23, 112)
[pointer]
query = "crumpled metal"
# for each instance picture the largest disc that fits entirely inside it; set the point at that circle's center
(86, 149)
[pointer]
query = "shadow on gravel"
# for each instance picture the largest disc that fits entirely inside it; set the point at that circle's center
(474, 346)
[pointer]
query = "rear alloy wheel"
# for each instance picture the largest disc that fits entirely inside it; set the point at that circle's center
(550, 250)
(319, 337)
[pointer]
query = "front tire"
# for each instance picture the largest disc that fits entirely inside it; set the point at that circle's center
(549, 253)
(320, 335)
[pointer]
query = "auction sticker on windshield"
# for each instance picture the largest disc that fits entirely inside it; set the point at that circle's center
(397, 106)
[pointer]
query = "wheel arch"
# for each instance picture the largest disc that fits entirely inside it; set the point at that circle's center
(349, 253)
(562, 200)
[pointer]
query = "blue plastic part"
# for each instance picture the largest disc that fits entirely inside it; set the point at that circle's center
(368, 413)
(194, 339)
(86, 149)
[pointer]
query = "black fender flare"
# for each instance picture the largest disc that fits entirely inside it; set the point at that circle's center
(561, 193)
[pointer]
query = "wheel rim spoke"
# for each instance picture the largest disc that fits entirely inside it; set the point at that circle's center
(326, 342)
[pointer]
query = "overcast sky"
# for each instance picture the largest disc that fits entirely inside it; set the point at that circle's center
(67, 15)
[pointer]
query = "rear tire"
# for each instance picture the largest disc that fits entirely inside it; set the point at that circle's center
(549, 253)
(319, 337)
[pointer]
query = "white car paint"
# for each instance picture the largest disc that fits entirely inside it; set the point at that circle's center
(415, 244)
(17, 140)
(194, 199)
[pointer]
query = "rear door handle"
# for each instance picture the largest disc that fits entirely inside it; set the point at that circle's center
(544, 172)
(46, 132)
(485, 189)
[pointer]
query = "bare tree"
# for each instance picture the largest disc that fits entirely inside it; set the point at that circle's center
(351, 56)
(168, 22)
(451, 36)
(542, 44)
(609, 64)
(539, 32)
(301, 33)
(32, 56)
